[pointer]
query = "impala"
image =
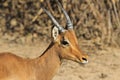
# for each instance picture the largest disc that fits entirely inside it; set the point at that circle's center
(64, 45)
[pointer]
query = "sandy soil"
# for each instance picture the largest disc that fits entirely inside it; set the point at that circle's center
(103, 65)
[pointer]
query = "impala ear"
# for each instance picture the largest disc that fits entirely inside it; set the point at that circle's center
(55, 33)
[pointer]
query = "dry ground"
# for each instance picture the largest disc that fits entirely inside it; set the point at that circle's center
(103, 65)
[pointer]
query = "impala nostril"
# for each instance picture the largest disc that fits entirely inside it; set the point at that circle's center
(84, 59)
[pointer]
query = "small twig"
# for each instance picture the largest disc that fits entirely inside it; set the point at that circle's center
(116, 14)
(109, 28)
(39, 12)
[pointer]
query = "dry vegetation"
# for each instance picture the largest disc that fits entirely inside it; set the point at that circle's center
(95, 21)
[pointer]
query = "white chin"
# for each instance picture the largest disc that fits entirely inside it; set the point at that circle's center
(84, 62)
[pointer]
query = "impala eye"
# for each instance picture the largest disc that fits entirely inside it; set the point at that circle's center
(64, 42)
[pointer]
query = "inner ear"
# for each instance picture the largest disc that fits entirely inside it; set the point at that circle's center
(55, 32)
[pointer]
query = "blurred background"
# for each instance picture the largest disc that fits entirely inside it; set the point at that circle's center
(96, 22)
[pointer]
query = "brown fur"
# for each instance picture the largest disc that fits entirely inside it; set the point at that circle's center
(44, 67)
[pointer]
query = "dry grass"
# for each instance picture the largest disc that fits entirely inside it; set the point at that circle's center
(96, 21)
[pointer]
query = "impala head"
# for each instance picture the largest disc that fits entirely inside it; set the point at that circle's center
(66, 40)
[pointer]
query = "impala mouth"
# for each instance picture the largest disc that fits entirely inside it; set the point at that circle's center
(81, 62)
(84, 62)
(78, 60)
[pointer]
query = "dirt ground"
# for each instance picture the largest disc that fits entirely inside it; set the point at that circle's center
(103, 65)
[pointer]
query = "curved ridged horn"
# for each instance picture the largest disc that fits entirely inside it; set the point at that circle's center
(69, 22)
(61, 29)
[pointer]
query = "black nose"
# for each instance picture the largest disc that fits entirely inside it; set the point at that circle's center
(84, 59)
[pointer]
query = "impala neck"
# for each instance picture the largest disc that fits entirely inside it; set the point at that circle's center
(48, 63)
